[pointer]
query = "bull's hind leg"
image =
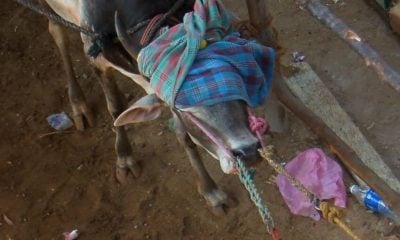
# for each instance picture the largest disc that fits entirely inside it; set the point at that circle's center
(75, 94)
(116, 105)
(216, 199)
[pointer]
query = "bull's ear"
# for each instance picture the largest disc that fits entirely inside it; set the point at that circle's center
(145, 109)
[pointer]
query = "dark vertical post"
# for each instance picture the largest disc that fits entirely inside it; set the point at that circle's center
(261, 20)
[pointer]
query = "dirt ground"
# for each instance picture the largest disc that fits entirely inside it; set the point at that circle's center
(53, 184)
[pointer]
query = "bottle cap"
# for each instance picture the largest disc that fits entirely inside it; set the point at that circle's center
(353, 188)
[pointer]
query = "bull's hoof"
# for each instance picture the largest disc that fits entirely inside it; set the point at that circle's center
(82, 114)
(126, 166)
(218, 201)
(133, 166)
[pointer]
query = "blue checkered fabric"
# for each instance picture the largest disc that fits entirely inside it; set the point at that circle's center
(231, 69)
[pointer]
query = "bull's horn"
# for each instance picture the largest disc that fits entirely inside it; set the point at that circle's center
(127, 41)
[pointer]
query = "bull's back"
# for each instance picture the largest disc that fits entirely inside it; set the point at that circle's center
(98, 15)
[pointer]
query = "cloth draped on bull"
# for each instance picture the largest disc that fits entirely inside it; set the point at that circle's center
(183, 74)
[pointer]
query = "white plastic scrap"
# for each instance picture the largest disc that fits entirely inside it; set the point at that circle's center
(74, 234)
(353, 36)
(8, 220)
(298, 56)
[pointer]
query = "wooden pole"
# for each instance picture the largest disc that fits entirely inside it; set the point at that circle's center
(394, 15)
(261, 20)
(371, 57)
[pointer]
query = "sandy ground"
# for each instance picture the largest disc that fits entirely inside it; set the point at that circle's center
(53, 184)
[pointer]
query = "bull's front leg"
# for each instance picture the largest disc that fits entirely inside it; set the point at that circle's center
(217, 200)
(116, 105)
(75, 94)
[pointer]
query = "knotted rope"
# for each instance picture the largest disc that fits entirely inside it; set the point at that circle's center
(258, 126)
(333, 215)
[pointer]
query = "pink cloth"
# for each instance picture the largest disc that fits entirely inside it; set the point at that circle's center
(319, 174)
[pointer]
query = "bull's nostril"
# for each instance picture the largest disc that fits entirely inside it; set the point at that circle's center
(246, 151)
(258, 146)
(239, 153)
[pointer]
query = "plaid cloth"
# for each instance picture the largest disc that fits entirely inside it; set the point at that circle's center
(230, 69)
(168, 58)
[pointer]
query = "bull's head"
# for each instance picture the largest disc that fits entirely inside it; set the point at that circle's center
(227, 121)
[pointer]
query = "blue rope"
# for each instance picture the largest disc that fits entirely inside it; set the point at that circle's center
(246, 178)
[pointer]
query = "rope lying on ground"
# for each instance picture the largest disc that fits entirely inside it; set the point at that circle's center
(246, 179)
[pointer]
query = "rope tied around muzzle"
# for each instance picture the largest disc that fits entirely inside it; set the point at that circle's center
(258, 125)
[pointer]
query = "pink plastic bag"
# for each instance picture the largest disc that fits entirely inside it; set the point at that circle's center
(319, 174)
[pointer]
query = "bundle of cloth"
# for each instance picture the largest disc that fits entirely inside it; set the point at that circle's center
(203, 61)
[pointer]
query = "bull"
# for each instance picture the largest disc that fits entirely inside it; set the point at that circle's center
(227, 120)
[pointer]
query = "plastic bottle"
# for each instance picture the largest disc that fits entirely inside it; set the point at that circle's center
(372, 201)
